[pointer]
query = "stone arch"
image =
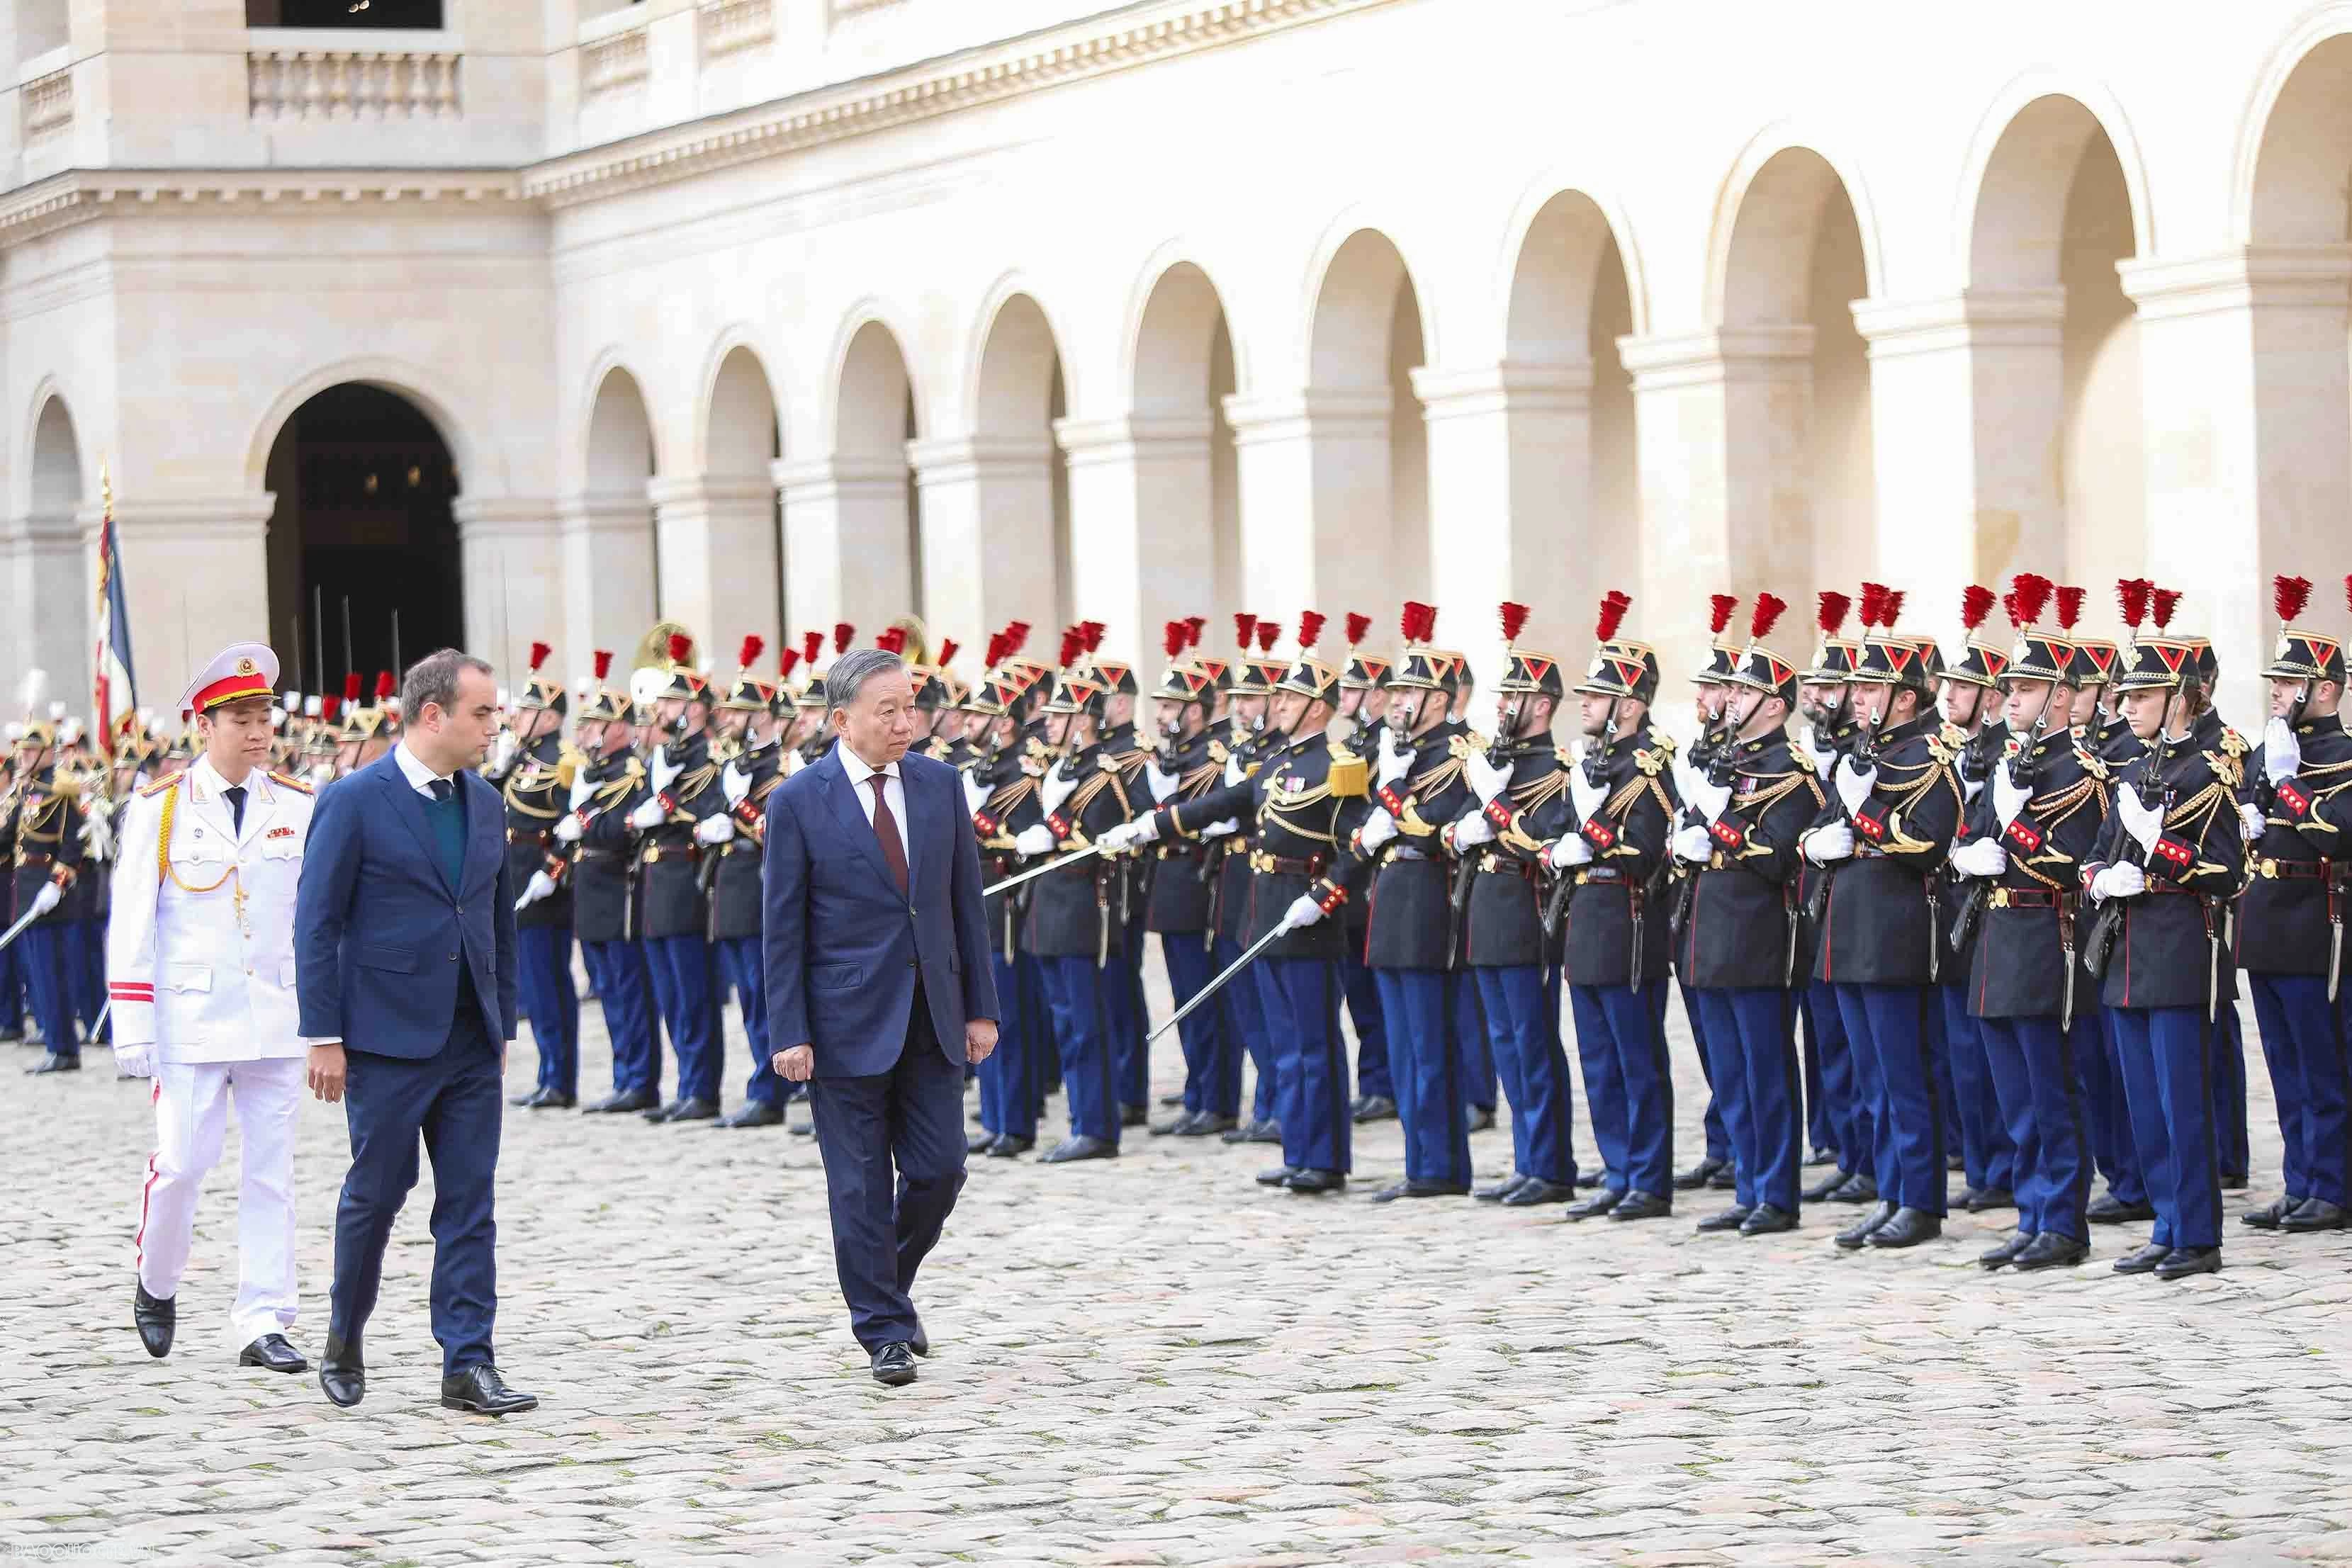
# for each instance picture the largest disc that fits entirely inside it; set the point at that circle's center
(873, 396)
(872, 537)
(619, 453)
(51, 576)
(1355, 310)
(1767, 228)
(2020, 168)
(721, 528)
(411, 383)
(2288, 186)
(740, 430)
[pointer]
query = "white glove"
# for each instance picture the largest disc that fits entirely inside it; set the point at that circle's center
(2009, 799)
(568, 829)
(714, 829)
(1981, 857)
(1825, 756)
(2122, 880)
(648, 815)
(1588, 797)
(541, 886)
(1694, 844)
(1485, 779)
(734, 783)
(97, 833)
(975, 794)
(1055, 787)
(2282, 753)
(1378, 829)
(1213, 831)
(1234, 771)
(2141, 820)
(1396, 758)
(1568, 851)
(2252, 822)
(50, 895)
(663, 769)
(1829, 846)
(1163, 782)
(582, 787)
(1853, 784)
(1303, 911)
(1036, 839)
(1144, 830)
(1710, 799)
(1473, 831)
(135, 1061)
(503, 752)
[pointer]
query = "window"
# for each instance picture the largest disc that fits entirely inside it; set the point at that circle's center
(342, 12)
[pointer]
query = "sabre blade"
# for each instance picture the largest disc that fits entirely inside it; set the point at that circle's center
(18, 929)
(1017, 878)
(1205, 992)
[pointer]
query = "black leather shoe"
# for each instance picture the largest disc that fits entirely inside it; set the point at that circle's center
(1267, 1131)
(1731, 1218)
(1173, 1125)
(1725, 1180)
(921, 1343)
(2268, 1215)
(2109, 1210)
(2051, 1250)
(1854, 1235)
(1640, 1205)
(272, 1351)
(1240, 1131)
(1699, 1175)
(1204, 1125)
(894, 1365)
(555, 1099)
(1908, 1227)
(1593, 1207)
(2317, 1214)
(155, 1319)
(1277, 1176)
(1496, 1192)
(628, 1100)
(1482, 1118)
(1373, 1108)
(1986, 1199)
(1316, 1182)
(1825, 1190)
(695, 1110)
(56, 1061)
(1134, 1115)
(481, 1390)
(527, 1099)
(340, 1374)
(1766, 1219)
(1005, 1146)
(2184, 1262)
(1079, 1148)
(2142, 1262)
(1820, 1157)
(1419, 1187)
(752, 1113)
(1534, 1191)
(979, 1142)
(1860, 1187)
(2232, 1181)
(2002, 1256)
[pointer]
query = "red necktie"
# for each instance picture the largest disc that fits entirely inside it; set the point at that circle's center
(886, 827)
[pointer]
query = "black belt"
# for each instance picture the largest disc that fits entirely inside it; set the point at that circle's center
(2025, 898)
(1278, 865)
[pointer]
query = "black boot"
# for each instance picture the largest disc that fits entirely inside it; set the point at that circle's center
(155, 1319)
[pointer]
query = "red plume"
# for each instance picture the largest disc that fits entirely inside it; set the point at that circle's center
(1016, 637)
(1269, 632)
(2009, 607)
(753, 646)
(1889, 607)
(2033, 596)
(386, 686)
(2070, 607)
(1244, 627)
(1718, 613)
(1831, 613)
(1310, 627)
(1767, 613)
(842, 633)
(603, 668)
(1874, 605)
(1976, 603)
(1514, 618)
(892, 641)
(681, 647)
(351, 683)
(1192, 628)
(1172, 638)
(2348, 591)
(330, 707)
(1614, 606)
(947, 652)
(2162, 603)
(1360, 624)
(1073, 644)
(995, 649)
(540, 650)
(1092, 631)
(2131, 595)
(788, 661)
(2289, 595)
(811, 645)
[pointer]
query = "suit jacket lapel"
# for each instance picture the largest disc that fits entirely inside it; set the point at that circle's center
(409, 806)
(212, 807)
(851, 811)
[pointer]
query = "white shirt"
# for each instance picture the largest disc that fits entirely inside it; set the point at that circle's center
(420, 777)
(893, 789)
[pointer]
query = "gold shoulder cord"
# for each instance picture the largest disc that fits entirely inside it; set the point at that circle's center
(166, 871)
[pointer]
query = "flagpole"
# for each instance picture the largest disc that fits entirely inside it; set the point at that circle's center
(105, 709)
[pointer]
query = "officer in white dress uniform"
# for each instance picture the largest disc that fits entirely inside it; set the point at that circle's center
(200, 965)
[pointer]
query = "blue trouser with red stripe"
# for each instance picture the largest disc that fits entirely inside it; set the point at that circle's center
(624, 990)
(1988, 1152)
(1212, 1054)
(1074, 988)
(1426, 1073)
(543, 978)
(1889, 1027)
(1009, 1085)
(2167, 1056)
(47, 986)
(1367, 1011)
(1621, 1043)
(1302, 1001)
(1758, 1081)
(2034, 1073)
(2302, 1043)
(1522, 1010)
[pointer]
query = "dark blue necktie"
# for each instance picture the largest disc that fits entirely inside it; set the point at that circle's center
(235, 796)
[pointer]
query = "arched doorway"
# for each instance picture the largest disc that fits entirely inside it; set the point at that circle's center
(1181, 491)
(364, 566)
(53, 578)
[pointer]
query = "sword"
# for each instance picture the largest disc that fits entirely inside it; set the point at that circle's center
(1281, 930)
(18, 929)
(1057, 863)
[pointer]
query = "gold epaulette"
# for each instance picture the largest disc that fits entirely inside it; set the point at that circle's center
(1464, 743)
(165, 782)
(1657, 758)
(2234, 743)
(2093, 764)
(568, 764)
(1218, 753)
(1952, 735)
(291, 783)
(1943, 749)
(1351, 774)
(1107, 763)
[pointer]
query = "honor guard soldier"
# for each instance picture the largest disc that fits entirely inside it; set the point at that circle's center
(201, 954)
(534, 770)
(1749, 809)
(2290, 924)
(41, 830)
(1001, 790)
(936, 687)
(1481, 1071)
(2171, 857)
(1249, 691)
(1836, 1119)
(1297, 798)
(1894, 807)
(1125, 753)
(1711, 696)
(12, 975)
(2018, 864)
(1970, 701)
(1363, 704)
(681, 819)
(1611, 849)
(2231, 1139)
(1392, 856)
(90, 902)
(754, 734)
(1183, 897)
(605, 788)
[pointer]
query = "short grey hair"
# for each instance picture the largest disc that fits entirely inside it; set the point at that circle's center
(434, 679)
(854, 669)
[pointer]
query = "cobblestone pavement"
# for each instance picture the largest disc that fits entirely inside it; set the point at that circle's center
(1154, 1360)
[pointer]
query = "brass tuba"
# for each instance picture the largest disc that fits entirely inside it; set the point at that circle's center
(918, 641)
(652, 648)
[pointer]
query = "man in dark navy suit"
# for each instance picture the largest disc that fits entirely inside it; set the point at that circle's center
(880, 988)
(404, 949)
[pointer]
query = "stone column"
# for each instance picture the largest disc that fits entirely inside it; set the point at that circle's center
(2247, 409)
(987, 534)
(517, 586)
(1511, 489)
(845, 540)
(1143, 529)
(1315, 519)
(608, 576)
(1721, 423)
(716, 539)
(1968, 397)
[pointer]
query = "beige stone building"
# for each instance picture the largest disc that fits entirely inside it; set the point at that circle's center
(535, 319)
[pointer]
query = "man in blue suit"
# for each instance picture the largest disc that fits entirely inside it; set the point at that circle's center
(404, 952)
(880, 988)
